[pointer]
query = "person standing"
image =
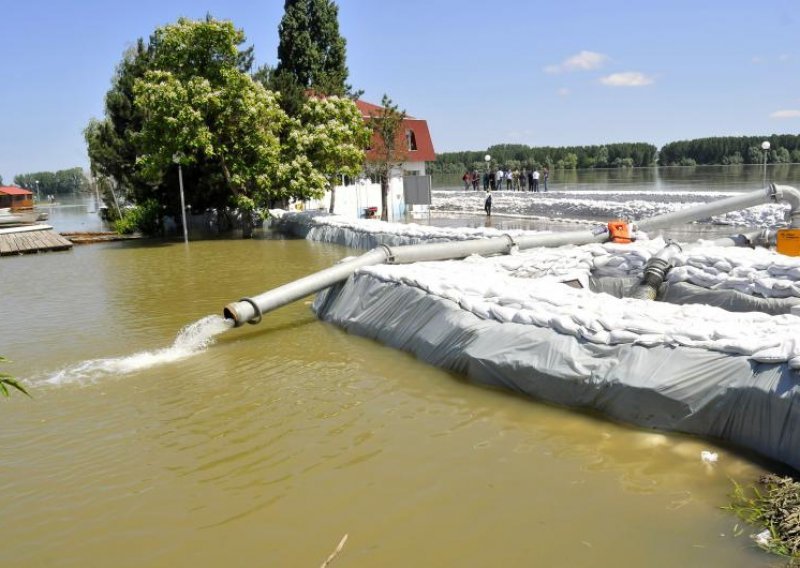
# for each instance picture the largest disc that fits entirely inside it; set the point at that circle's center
(475, 179)
(486, 181)
(467, 179)
(545, 175)
(498, 179)
(535, 180)
(487, 205)
(530, 181)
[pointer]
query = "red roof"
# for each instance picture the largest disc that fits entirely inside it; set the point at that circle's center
(419, 128)
(9, 190)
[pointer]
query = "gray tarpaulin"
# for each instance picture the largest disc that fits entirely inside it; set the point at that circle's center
(729, 397)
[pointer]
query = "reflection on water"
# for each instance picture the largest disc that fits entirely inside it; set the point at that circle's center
(269, 445)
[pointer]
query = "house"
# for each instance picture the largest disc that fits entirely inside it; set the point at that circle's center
(413, 142)
(15, 198)
(409, 186)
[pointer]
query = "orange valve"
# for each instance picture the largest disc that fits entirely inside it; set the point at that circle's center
(619, 232)
(788, 242)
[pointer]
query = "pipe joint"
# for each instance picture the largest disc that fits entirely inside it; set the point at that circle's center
(259, 315)
(791, 196)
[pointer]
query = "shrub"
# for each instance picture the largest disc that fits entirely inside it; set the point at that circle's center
(144, 218)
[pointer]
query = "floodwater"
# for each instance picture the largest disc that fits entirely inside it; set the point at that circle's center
(679, 178)
(269, 444)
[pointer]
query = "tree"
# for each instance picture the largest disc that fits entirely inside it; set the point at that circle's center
(386, 146)
(110, 142)
(310, 48)
(188, 96)
(311, 55)
(72, 180)
(331, 134)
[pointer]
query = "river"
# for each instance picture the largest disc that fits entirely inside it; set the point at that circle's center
(269, 445)
(678, 178)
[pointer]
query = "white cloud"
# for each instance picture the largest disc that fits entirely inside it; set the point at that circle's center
(785, 114)
(629, 79)
(563, 92)
(756, 60)
(583, 61)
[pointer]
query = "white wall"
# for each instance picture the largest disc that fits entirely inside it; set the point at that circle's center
(352, 200)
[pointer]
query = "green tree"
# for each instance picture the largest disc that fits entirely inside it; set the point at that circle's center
(110, 142)
(386, 146)
(311, 55)
(188, 96)
(331, 135)
(72, 180)
(310, 48)
(207, 49)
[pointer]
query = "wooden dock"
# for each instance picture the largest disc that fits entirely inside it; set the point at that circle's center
(30, 239)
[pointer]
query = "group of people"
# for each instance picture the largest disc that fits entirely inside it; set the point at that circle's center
(514, 180)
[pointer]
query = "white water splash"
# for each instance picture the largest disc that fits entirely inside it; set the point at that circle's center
(192, 339)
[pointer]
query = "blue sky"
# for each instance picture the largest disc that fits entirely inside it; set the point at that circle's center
(519, 71)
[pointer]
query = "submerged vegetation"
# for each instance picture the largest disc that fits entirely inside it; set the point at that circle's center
(773, 503)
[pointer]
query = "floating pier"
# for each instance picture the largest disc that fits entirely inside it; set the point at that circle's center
(31, 239)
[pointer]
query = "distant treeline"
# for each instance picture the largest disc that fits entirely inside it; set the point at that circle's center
(725, 150)
(63, 181)
(731, 150)
(517, 156)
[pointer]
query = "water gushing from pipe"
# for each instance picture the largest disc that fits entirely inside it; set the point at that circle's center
(191, 340)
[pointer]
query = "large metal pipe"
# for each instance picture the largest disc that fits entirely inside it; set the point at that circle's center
(251, 309)
(706, 210)
(790, 195)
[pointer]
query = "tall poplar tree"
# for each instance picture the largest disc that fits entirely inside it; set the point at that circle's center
(311, 53)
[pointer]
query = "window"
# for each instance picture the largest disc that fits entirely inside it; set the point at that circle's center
(411, 140)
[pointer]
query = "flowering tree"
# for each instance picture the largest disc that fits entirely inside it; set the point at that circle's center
(195, 103)
(327, 139)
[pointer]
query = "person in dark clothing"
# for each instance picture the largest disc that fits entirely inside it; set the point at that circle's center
(485, 181)
(487, 205)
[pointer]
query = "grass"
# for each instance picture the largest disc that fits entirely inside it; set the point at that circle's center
(773, 503)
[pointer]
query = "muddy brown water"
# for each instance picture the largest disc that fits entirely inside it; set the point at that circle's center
(268, 446)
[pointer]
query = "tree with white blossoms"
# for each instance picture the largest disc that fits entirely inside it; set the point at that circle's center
(326, 140)
(198, 105)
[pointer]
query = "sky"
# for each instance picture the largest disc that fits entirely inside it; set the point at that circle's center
(553, 73)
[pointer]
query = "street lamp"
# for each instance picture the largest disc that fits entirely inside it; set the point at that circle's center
(765, 147)
(488, 159)
(36, 181)
(178, 158)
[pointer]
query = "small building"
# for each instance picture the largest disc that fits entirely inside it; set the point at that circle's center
(15, 198)
(409, 186)
(413, 143)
